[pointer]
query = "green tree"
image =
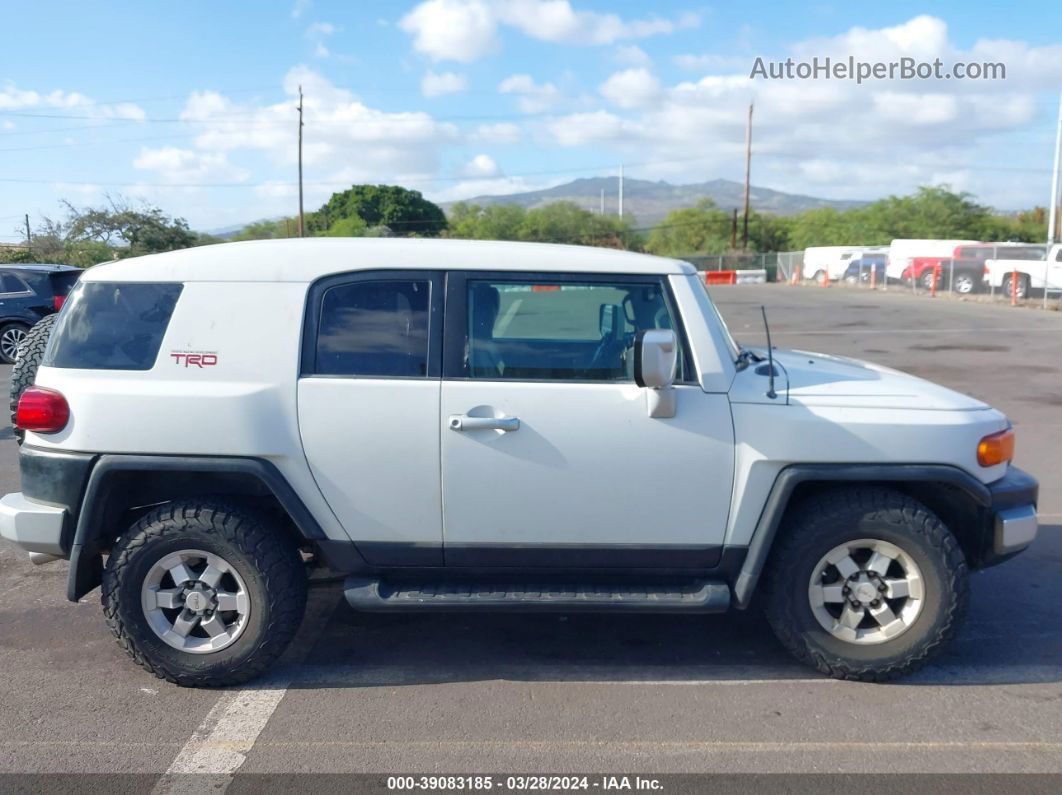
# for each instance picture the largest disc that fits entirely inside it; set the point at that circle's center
(701, 229)
(493, 222)
(268, 230)
(140, 229)
(351, 226)
(567, 222)
(404, 212)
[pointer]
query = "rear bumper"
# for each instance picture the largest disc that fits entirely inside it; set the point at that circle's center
(1012, 515)
(34, 526)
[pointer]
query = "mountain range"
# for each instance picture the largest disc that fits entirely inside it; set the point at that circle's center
(650, 201)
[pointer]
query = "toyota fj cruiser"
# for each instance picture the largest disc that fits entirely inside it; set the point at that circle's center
(459, 425)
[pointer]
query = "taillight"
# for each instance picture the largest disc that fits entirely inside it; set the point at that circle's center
(58, 301)
(42, 410)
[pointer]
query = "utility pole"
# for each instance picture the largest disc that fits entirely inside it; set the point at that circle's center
(29, 237)
(621, 191)
(302, 230)
(748, 166)
(1052, 229)
(601, 209)
(733, 231)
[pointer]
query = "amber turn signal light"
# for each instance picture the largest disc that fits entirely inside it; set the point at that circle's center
(998, 448)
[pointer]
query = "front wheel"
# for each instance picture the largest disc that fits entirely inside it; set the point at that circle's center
(204, 594)
(865, 584)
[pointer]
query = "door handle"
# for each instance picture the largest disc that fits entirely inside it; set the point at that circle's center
(462, 422)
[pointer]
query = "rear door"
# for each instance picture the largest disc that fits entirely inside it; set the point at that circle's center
(570, 471)
(368, 399)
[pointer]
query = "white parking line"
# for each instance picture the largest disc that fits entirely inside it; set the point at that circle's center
(220, 744)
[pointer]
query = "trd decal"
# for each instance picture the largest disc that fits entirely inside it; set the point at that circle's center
(200, 359)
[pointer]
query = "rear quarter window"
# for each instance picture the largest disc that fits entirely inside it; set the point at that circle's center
(112, 326)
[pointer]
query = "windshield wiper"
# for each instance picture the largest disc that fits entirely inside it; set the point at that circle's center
(746, 357)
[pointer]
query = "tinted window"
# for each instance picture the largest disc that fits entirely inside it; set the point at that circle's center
(109, 326)
(375, 328)
(569, 331)
(10, 283)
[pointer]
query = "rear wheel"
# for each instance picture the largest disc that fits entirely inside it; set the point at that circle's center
(820, 277)
(865, 584)
(11, 334)
(204, 594)
(927, 279)
(27, 360)
(964, 283)
(1022, 285)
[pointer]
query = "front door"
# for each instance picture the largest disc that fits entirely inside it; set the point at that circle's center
(549, 456)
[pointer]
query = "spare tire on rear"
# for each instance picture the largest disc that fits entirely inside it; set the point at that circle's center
(27, 360)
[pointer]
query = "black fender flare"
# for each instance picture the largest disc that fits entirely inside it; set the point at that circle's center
(86, 565)
(795, 474)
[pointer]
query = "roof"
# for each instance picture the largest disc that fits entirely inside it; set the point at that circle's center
(307, 259)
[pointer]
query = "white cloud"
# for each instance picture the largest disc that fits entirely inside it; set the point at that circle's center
(464, 30)
(481, 167)
(435, 84)
(632, 88)
(14, 98)
(300, 8)
(845, 139)
(318, 33)
(455, 30)
(503, 132)
(707, 61)
(533, 97)
(183, 166)
(632, 55)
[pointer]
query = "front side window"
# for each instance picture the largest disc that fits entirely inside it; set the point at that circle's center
(374, 328)
(529, 330)
(112, 326)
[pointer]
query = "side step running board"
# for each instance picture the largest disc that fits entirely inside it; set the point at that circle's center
(698, 596)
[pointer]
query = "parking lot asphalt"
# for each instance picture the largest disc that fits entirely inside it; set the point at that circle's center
(611, 694)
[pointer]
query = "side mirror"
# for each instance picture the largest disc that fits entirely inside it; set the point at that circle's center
(655, 363)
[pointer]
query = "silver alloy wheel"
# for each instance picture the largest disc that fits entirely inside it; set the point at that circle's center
(866, 591)
(195, 601)
(9, 341)
(964, 284)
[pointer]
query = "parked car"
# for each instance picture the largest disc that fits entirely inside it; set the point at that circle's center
(28, 293)
(903, 251)
(1031, 274)
(470, 425)
(964, 271)
(826, 262)
(860, 270)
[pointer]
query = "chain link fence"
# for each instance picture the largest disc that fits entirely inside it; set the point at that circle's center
(1016, 274)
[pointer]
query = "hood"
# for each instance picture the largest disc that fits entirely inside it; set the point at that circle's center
(817, 379)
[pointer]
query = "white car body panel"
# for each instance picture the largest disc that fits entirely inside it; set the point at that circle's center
(373, 447)
(1040, 272)
(587, 466)
(832, 259)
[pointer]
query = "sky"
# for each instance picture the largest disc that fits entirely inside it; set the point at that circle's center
(191, 105)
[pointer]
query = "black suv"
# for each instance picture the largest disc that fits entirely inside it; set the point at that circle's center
(28, 293)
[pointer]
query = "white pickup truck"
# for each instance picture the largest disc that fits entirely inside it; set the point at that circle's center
(1031, 274)
(472, 425)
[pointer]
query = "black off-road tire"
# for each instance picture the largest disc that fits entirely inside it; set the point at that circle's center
(28, 359)
(833, 518)
(269, 564)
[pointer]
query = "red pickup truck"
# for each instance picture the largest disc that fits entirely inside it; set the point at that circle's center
(964, 272)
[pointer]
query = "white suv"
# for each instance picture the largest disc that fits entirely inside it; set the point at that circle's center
(475, 425)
